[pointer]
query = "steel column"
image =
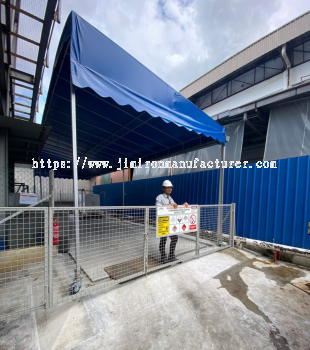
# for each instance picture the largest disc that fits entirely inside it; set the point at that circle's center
(198, 232)
(123, 187)
(146, 231)
(4, 165)
(51, 188)
(49, 262)
(75, 177)
(221, 179)
(232, 224)
(41, 194)
(220, 195)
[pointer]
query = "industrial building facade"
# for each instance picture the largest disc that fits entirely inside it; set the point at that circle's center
(262, 97)
(266, 86)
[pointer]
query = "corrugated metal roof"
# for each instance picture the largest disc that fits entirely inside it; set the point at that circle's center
(271, 41)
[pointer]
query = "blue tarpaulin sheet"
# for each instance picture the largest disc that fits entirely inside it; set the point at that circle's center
(123, 109)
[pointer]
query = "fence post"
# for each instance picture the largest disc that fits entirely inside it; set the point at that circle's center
(46, 257)
(232, 224)
(51, 188)
(146, 231)
(198, 232)
(49, 261)
(220, 197)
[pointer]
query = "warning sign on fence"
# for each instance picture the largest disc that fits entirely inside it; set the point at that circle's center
(163, 226)
(28, 198)
(171, 221)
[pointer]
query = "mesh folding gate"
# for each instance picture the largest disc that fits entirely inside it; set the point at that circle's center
(97, 247)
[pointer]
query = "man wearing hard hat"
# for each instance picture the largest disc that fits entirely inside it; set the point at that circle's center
(162, 200)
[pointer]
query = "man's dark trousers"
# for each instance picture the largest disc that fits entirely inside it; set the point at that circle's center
(162, 246)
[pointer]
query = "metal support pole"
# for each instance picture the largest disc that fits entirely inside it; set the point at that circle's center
(4, 171)
(123, 188)
(221, 180)
(81, 204)
(51, 188)
(49, 262)
(232, 224)
(75, 178)
(34, 181)
(41, 194)
(220, 197)
(146, 230)
(198, 232)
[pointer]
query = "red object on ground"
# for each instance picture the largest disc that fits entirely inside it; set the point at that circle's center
(55, 232)
(276, 256)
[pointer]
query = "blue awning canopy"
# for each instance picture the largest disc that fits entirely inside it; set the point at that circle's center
(123, 109)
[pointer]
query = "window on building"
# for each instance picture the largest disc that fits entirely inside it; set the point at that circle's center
(242, 82)
(219, 94)
(259, 74)
(204, 101)
(254, 76)
(273, 67)
(301, 53)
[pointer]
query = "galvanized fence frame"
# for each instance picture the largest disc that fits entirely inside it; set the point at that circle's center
(24, 267)
(65, 267)
(224, 235)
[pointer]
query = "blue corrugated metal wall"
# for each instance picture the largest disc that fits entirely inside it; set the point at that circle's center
(197, 188)
(271, 204)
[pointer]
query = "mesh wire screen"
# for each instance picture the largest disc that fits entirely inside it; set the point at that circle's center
(23, 255)
(111, 248)
(214, 222)
(118, 244)
(20, 179)
(76, 251)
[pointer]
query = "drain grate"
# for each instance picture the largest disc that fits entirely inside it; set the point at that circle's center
(129, 268)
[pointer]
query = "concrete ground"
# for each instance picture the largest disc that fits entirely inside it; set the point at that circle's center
(226, 300)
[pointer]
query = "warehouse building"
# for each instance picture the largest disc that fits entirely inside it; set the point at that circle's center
(266, 87)
(262, 97)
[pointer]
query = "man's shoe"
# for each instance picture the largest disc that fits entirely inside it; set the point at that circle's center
(172, 258)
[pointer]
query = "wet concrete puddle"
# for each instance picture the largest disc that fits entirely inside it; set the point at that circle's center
(231, 280)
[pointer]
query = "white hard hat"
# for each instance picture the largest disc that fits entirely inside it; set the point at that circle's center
(167, 183)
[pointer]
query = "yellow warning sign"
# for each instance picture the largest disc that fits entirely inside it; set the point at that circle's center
(162, 226)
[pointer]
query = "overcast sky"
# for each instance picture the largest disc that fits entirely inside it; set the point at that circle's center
(179, 40)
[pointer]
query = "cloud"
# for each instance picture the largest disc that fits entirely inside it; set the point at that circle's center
(179, 40)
